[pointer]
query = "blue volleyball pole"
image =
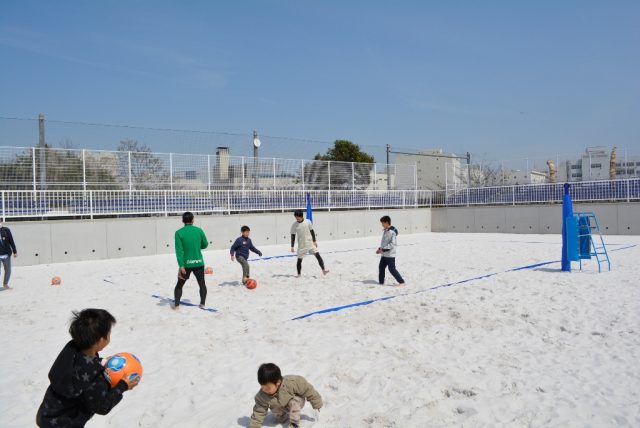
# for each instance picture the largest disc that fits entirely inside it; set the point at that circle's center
(567, 212)
(309, 210)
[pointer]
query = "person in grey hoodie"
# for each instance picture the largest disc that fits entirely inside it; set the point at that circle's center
(388, 251)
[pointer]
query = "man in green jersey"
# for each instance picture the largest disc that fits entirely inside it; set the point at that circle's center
(189, 241)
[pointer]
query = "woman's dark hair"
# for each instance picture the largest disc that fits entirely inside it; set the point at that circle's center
(385, 219)
(269, 373)
(89, 326)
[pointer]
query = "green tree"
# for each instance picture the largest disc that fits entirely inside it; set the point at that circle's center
(345, 151)
(350, 167)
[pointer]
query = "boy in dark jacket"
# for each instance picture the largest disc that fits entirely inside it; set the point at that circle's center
(7, 249)
(240, 250)
(79, 388)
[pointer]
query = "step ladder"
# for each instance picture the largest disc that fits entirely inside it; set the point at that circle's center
(588, 226)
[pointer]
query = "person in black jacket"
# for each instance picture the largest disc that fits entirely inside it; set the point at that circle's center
(7, 249)
(240, 250)
(79, 387)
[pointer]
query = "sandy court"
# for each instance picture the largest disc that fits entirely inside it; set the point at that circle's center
(531, 347)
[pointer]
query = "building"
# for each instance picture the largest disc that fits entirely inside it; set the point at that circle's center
(515, 177)
(595, 164)
(434, 169)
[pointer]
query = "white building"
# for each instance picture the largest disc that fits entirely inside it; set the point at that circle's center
(595, 164)
(431, 169)
(515, 177)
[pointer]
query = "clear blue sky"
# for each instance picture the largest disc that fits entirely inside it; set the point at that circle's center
(501, 79)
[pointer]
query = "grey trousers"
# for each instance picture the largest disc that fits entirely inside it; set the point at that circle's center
(6, 264)
(292, 410)
(245, 266)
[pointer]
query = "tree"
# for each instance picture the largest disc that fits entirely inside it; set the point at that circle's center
(147, 170)
(349, 168)
(63, 170)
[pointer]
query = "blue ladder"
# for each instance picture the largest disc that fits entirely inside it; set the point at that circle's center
(588, 222)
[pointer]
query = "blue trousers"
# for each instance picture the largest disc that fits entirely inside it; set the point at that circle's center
(391, 263)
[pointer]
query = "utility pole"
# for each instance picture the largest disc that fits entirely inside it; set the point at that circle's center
(468, 169)
(43, 154)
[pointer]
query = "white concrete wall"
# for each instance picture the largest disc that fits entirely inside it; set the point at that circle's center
(614, 219)
(42, 242)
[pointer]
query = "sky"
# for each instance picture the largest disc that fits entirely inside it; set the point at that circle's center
(500, 79)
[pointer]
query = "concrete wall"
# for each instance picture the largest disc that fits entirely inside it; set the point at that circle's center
(41, 242)
(614, 219)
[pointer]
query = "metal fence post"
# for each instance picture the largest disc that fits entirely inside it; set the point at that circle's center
(229, 201)
(209, 173)
(166, 206)
(467, 196)
(353, 176)
(302, 173)
(91, 204)
(274, 173)
(130, 182)
(3, 213)
(171, 171)
(33, 153)
(329, 175)
(282, 200)
(513, 195)
(375, 176)
(84, 172)
(628, 190)
(242, 171)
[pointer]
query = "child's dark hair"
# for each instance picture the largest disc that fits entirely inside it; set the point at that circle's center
(90, 325)
(269, 373)
(298, 213)
(187, 217)
(244, 229)
(385, 219)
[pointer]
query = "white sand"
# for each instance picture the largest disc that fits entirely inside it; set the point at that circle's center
(535, 347)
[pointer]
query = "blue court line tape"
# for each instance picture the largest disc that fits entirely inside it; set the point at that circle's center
(284, 256)
(451, 284)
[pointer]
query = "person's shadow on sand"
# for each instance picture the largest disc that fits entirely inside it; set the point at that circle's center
(368, 281)
(270, 421)
(230, 284)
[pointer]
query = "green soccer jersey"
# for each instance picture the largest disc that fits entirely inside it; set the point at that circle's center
(189, 241)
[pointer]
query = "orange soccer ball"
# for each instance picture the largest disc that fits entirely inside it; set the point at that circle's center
(208, 270)
(122, 365)
(251, 283)
(56, 281)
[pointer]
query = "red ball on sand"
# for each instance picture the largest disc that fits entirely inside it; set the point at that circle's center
(251, 283)
(56, 281)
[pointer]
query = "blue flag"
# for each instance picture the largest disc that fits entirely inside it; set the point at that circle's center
(309, 210)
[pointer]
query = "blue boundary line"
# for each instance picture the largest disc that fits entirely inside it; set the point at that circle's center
(451, 284)
(284, 256)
